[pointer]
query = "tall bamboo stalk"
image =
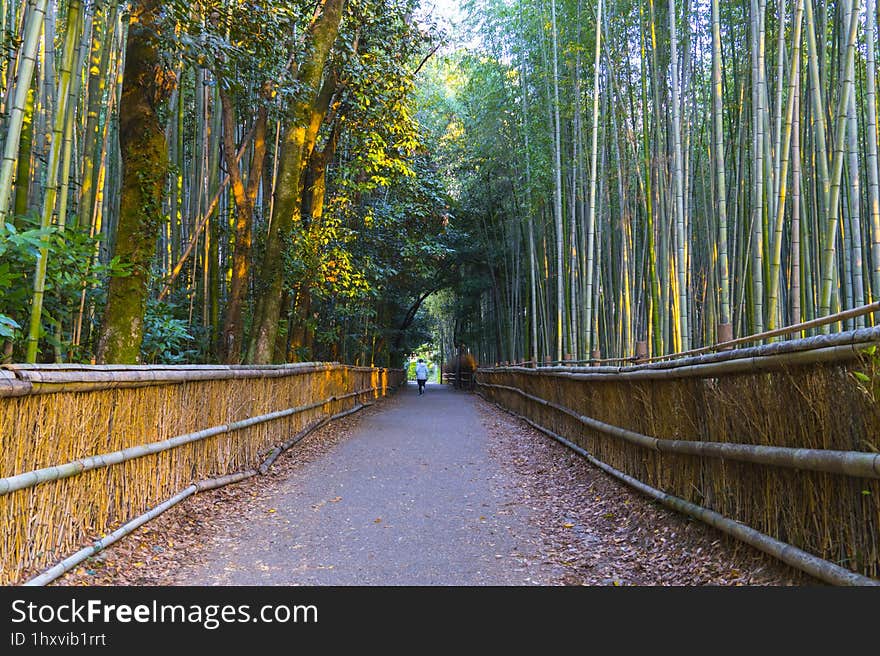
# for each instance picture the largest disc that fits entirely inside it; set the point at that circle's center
(847, 83)
(871, 144)
(63, 105)
(27, 62)
(678, 182)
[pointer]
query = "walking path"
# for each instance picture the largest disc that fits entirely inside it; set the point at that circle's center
(440, 489)
(415, 498)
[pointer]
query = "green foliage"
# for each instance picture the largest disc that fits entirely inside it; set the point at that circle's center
(869, 379)
(69, 273)
(18, 253)
(8, 327)
(167, 340)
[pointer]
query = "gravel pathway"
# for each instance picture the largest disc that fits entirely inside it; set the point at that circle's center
(442, 489)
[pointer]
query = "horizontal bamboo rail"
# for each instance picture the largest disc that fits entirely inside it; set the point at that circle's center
(83, 446)
(797, 558)
(46, 474)
(20, 380)
(849, 463)
(839, 347)
(202, 486)
(860, 311)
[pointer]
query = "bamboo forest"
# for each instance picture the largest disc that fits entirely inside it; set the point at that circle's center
(230, 181)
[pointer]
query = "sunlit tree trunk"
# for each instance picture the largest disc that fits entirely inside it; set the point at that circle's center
(292, 159)
(245, 194)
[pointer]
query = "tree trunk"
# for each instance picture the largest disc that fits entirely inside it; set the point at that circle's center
(245, 197)
(144, 167)
(293, 156)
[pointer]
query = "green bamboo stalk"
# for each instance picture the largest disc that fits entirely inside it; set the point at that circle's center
(594, 150)
(847, 83)
(71, 49)
(776, 257)
(818, 115)
(25, 148)
(678, 182)
(855, 222)
(103, 40)
(758, 218)
(720, 172)
(27, 63)
(796, 285)
(871, 144)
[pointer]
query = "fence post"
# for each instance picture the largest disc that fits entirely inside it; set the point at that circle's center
(725, 334)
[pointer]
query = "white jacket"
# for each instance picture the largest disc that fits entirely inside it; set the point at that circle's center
(421, 371)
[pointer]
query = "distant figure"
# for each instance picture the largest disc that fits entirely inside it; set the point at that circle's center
(421, 375)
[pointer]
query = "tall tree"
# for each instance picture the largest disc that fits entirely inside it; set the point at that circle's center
(299, 138)
(146, 84)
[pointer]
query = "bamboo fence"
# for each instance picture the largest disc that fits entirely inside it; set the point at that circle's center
(778, 440)
(84, 449)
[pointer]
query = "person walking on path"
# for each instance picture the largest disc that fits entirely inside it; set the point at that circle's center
(421, 375)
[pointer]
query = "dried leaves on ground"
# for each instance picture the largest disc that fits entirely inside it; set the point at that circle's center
(601, 532)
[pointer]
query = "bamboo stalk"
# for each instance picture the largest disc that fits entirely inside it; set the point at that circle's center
(833, 354)
(281, 448)
(27, 63)
(49, 379)
(788, 330)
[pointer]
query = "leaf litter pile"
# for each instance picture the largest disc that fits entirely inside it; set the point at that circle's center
(589, 528)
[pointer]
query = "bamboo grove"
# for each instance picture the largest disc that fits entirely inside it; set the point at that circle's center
(650, 177)
(214, 181)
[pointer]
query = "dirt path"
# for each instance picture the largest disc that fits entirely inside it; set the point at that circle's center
(442, 489)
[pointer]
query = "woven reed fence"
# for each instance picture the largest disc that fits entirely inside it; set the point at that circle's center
(781, 440)
(84, 449)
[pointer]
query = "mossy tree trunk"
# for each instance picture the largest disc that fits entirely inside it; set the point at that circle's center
(144, 167)
(297, 142)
